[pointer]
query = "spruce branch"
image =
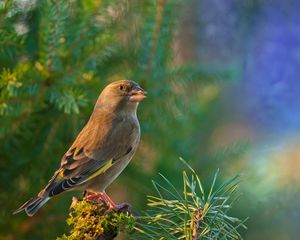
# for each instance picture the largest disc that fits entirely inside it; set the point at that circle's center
(86, 25)
(53, 40)
(155, 36)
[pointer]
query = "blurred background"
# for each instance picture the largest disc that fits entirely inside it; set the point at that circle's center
(223, 92)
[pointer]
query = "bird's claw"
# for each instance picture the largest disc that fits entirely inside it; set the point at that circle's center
(95, 198)
(119, 208)
(101, 198)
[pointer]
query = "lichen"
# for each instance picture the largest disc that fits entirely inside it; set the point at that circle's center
(93, 221)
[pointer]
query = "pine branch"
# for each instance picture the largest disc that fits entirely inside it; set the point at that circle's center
(193, 214)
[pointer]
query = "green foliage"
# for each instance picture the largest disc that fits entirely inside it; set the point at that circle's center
(55, 58)
(193, 213)
(89, 221)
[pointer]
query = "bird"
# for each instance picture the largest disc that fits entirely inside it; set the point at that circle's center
(101, 150)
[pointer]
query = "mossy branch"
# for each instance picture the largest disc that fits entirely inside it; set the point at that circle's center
(95, 221)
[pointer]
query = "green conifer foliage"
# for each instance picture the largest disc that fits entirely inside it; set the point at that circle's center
(55, 58)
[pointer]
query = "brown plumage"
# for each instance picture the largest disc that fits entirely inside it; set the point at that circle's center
(101, 150)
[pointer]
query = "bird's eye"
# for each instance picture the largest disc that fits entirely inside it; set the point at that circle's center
(121, 87)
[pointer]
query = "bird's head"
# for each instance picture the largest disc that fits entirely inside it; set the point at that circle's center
(121, 95)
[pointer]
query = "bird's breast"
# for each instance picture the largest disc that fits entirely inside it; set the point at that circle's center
(120, 145)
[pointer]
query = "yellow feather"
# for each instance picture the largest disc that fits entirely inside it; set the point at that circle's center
(60, 175)
(76, 151)
(101, 170)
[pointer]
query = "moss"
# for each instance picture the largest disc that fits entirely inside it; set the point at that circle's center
(93, 221)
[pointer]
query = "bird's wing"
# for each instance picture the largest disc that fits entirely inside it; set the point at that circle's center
(83, 162)
(77, 168)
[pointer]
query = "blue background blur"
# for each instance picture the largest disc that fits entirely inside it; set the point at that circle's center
(260, 41)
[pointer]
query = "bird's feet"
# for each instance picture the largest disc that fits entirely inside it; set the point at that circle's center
(101, 197)
(96, 197)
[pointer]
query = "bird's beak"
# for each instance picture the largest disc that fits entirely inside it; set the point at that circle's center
(137, 94)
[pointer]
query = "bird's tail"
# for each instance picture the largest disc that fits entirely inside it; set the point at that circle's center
(33, 205)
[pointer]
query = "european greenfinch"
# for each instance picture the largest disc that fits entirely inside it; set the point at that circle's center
(101, 150)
